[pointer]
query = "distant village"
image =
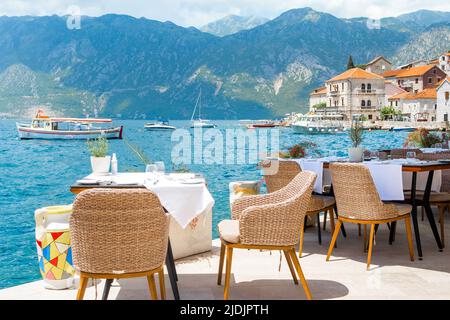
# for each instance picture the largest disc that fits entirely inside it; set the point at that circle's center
(416, 93)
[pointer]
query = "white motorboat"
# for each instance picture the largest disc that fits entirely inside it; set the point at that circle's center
(162, 125)
(200, 123)
(319, 124)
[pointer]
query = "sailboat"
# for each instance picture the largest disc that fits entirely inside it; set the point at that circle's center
(200, 123)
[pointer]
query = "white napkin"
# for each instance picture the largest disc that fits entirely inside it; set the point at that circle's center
(388, 180)
(315, 166)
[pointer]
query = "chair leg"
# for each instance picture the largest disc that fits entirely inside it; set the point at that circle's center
(442, 224)
(162, 285)
(371, 238)
(319, 231)
(359, 230)
(300, 274)
(332, 220)
(108, 284)
(82, 288)
(222, 258)
(409, 237)
(226, 291)
(333, 240)
(291, 267)
(152, 286)
(325, 220)
(300, 244)
(365, 238)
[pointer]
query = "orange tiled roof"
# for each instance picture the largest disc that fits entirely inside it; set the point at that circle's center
(429, 93)
(415, 71)
(392, 73)
(322, 90)
(397, 96)
(356, 73)
(435, 61)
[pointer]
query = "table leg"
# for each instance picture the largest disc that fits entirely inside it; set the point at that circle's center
(106, 289)
(429, 212)
(344, 233)
(414, 214)
(319, 232)
(170, 263)
(392, 231)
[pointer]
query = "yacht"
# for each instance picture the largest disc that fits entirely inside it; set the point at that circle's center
(199, 122)
(313, 123)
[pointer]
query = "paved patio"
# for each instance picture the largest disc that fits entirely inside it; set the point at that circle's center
(255, 274)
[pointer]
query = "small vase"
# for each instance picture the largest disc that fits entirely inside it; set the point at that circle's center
(100, 165)
(356, 154)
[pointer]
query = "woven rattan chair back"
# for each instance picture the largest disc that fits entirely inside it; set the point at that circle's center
(278, 179)
(355, 192)
(118, 231)
(279, 223)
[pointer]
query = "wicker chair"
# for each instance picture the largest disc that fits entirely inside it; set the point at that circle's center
(268, 222)
(358, 201)
(119, 234)
(278, 175)
(441, 200)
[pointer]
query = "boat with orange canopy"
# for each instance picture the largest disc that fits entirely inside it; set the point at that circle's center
(50, 128)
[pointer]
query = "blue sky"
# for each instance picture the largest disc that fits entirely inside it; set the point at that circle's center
(199, 12)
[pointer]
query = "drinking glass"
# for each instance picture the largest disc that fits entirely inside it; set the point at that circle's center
(160, 167)
(374, 155)
(150, 171)
(411, 155)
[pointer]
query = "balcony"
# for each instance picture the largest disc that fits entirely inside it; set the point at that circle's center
(365, 91)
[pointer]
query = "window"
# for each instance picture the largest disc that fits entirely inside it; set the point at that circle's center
(416, 91)
(430, 80)
(342, 86)
(370, 117)
(369, 87)
(342, 101)
(363, 87)
(447, 95)
(417, 80)
(369, 103)
(396, 103)
(446, 117)
(363, 103)
(330, 103)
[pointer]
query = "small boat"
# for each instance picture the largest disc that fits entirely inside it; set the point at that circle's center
(262, 124)
(319, 124)
(200, 123)
(47, 128)
(403, 129)
(161, 125)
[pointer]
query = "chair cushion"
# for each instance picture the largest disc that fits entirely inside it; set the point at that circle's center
(229, 230)
(319, 203)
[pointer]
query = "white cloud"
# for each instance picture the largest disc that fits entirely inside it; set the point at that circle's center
(200, 12)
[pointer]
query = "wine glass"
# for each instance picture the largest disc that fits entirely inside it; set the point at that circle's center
(150, 170)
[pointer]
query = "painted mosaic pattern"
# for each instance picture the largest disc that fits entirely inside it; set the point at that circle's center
(55, 256)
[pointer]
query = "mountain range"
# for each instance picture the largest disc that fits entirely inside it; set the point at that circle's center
(120, 66)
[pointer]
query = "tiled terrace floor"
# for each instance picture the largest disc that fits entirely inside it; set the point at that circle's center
(255, 274)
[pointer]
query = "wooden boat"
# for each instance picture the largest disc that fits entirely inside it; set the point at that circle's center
(47, 128)
(262, 124)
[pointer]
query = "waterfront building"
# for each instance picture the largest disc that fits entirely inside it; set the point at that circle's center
(391, 89)
(444, 62)
(379, 65)
(418, 107)
(416, 79)
(356, 92)
(443, 101)
(317, 97)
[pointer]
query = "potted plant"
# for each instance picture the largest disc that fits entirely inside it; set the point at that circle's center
(356, 153)
(100, 161)
(423, 138)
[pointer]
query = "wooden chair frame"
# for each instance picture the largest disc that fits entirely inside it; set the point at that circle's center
(289, 253)
(84, 279)
(372, 224)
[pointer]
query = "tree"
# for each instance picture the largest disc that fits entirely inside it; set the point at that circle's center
(350, 64)
(388, 112)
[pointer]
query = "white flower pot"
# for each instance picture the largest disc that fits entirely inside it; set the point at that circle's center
(100, 165)
(356, 154)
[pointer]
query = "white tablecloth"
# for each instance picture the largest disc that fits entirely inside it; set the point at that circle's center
(183, 201)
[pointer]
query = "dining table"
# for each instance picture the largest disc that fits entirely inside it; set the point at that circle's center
(408, 166)
(184, 196)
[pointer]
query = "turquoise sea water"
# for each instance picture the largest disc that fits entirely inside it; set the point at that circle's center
(35, 173)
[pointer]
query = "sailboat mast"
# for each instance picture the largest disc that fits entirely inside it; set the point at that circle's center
(197, 103)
